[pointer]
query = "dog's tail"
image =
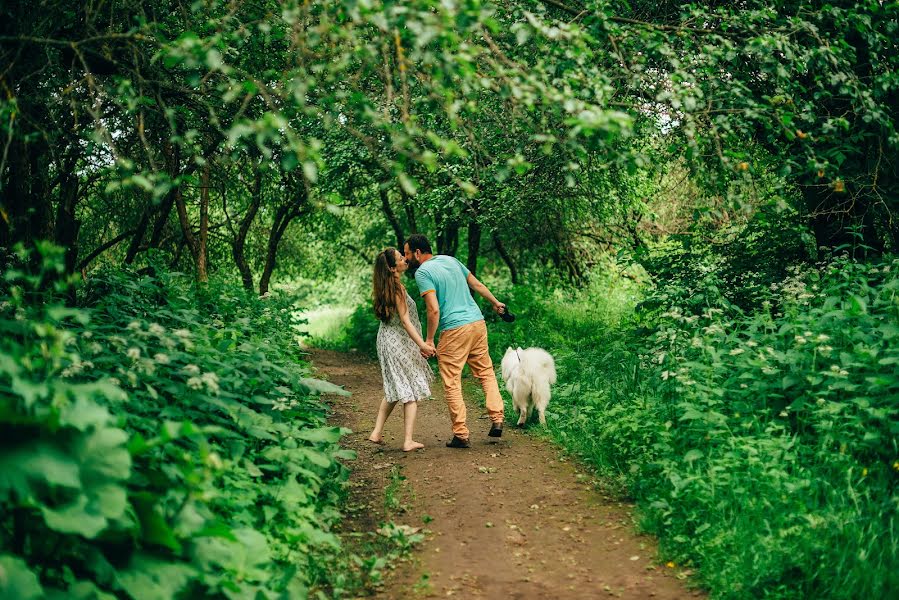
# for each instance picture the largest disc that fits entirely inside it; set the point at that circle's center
(550, 366)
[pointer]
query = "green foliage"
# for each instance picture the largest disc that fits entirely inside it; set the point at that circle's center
(163, 441)
(761, 446)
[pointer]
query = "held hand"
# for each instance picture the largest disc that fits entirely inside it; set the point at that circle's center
(499, 307)
(428, 350)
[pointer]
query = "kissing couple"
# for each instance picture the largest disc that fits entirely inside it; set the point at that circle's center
(446, 286)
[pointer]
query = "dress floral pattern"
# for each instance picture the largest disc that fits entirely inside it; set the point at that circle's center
(406, 373)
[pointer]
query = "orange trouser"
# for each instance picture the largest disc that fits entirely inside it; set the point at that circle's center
(467, 344)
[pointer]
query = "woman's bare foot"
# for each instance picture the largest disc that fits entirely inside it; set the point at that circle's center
(376, 440)
(413, 446)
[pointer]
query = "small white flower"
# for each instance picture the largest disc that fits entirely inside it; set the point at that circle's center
(133, 353)
(783, 413)
(156, 329)
(192, 369)
(134, 325)
(95, 348)
(161, 358)
(800, 340)
(182, 333)
(752, 343)
(195, 383)
(822, 338)
(743, 386)
(665, 375)
(736, 351)
(211, 381)
(87, 335)
(820, 401)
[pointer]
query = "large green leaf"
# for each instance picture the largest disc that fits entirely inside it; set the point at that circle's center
(75, 518)
(148, 578)
(17, 582)
(36, 462)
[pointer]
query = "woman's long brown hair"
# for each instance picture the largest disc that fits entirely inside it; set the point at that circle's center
(386, 288)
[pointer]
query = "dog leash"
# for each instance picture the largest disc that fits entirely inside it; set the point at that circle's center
(511, 319)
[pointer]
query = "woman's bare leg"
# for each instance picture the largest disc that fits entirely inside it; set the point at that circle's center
(410, 409)
(383, 412)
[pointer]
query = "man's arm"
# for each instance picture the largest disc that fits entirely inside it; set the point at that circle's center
(481, 289)
(433, 310)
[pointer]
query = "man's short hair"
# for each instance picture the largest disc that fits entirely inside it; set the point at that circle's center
(417, 241)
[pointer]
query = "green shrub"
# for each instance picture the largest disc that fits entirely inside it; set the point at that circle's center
(162, 441)
(760, 445)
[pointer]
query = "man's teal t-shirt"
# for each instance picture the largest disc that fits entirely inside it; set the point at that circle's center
(449, 279)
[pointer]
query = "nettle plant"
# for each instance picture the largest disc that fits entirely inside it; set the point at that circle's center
(780, 448)
(150, 450)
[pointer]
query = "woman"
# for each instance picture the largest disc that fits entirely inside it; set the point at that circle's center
(401, 349)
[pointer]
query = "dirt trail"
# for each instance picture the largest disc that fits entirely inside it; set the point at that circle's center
(510, 519)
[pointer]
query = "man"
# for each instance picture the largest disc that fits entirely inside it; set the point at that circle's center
(444, 283)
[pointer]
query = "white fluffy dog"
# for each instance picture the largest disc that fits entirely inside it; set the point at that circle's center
(528, 374)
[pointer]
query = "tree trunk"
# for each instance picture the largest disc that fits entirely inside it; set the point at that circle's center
(66, 224)
(140, 231)
(25, 195)
(410, 212)
(202, 277)
(187, 233)
(391, 218)
(447, 235)
(474, 245)
(173, 160)
(501, 250)
(239, 243)
(286, 213)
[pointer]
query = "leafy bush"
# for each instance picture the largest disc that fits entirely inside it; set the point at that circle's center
(761, 446)
(162, 441)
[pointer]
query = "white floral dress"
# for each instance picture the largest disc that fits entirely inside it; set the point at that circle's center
(406, 373)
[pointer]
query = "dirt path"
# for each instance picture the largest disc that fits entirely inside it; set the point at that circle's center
(509, 519)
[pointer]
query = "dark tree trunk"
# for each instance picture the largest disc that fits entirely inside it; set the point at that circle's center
(237, 247)
(139, 232)
(391, 218)
(286, 213)
(501, 250)
(173, 160)
(25, 195)
(409, 209)
(186, 231)
(66, 224)
(474, 245)
(202, 276)
(447, 235)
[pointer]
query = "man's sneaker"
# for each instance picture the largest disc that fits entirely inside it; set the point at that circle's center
(496, 430)
(458, 442)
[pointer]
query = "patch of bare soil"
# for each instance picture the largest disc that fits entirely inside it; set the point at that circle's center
(506, 519)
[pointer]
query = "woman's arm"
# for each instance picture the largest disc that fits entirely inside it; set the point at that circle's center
(403, 313)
